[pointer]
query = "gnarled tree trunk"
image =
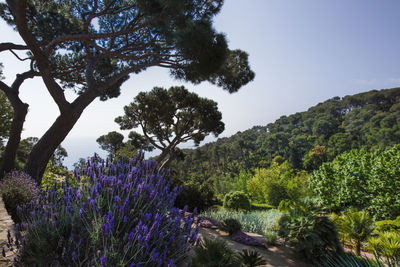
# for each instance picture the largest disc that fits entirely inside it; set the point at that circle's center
(44, 148)
(20, 111)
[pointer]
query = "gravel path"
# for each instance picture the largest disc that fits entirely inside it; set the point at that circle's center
(5, 223)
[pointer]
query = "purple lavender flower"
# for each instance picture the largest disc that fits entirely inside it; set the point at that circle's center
(131, 235)
(103, 260)
(132, 202)
(92, 204)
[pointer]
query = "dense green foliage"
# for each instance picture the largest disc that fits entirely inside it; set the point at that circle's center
(279, 182)
(305, 139)
(237, 200)
(362, 180)
(58, 175)
(388, 225)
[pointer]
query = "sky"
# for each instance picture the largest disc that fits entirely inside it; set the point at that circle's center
(303, 53)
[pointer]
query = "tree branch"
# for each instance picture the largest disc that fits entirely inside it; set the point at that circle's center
(22, 77)
(9, 46)
(21, 59)
(53, 87)
(5, 88)
(151, 139)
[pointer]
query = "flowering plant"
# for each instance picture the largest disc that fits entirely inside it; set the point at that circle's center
(17, 188)
(122, 216)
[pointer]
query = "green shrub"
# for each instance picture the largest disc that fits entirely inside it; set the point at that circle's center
(275, 193)
(231, 226)
(237, 200)
(214, 253)
(16, 189)
(271, 237)
(250, 259)
(312, 235)
(55, 173)
(195, 196)
(284, 205)
(388, 225)
(278, 182)
(257, 206)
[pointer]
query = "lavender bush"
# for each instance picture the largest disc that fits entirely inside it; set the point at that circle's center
(17, 188)
(123, 216)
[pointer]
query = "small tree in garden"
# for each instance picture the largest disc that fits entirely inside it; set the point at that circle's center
(237, 200)
(123, 215)
(111, 142)
(357, 226)
(170, 117)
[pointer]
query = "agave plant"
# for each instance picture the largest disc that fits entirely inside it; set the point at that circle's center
(356, 226)
(214, 253)
(346, 260)
(251, 258)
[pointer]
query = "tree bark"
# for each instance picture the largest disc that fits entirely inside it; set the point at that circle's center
(20, 111)
(357, 248)
(163, 154)
(44, 148)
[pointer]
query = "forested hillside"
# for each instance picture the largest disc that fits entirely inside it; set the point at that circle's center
(304, 139)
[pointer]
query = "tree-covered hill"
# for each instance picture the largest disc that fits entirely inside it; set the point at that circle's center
(305, 139)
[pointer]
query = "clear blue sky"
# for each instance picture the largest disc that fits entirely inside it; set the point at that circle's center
(303, 52)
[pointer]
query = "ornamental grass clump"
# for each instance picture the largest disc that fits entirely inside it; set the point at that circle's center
(122, 216)
(18, 188)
